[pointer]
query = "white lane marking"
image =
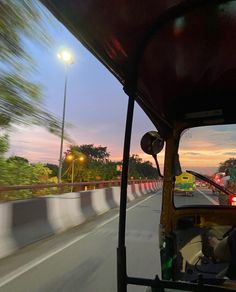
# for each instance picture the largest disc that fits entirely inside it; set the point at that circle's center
(214, 202)
(25, 268)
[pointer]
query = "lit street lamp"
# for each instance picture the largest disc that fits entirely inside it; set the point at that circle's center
(67, 59)
(70, 157)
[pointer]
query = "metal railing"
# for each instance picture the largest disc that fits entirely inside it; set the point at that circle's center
(16, 192)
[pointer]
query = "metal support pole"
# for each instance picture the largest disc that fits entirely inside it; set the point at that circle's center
(62, 127)
(72, 173)
(121, 250)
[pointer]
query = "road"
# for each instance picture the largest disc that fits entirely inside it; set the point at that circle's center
(201, 196)
(84, 258)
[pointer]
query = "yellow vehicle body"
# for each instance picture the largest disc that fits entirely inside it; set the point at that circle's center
(185, 182)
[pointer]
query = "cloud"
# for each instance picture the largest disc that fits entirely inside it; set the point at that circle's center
(38, 145)
(230, 153)
(191, 153)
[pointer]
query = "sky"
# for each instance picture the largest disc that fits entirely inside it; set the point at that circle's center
(96, 112)
(203, 149)
(95, 108)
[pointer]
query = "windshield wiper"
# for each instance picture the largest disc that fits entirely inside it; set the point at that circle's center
(211, 182)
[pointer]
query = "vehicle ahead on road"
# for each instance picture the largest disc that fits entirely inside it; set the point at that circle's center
(177, 60)
(218, 178)
(185, 183)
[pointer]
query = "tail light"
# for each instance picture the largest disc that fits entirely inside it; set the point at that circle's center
(232, 200)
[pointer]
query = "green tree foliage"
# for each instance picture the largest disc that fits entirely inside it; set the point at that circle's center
(92, 167)
(97, 166)
(18, 171)
(141, 169)
(109, 171)
(53, 168)
(20, 98)
(229, 163)
(19, 159)
(4, 144)
(95, 153)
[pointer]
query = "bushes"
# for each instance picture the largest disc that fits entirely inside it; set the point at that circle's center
(18, 171)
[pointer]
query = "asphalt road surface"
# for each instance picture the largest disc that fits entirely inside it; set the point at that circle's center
(201, 196)
(84, 258)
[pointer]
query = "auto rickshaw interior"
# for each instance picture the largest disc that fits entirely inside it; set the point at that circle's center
(185, 251)
(177, 60)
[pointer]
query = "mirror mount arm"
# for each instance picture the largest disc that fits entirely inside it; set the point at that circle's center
(157, 165)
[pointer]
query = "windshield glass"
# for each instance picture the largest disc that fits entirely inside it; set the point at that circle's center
(211, 152)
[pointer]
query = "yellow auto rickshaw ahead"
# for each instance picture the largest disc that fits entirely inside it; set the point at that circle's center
(185, 183)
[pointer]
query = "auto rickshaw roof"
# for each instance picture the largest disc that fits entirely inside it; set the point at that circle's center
(181, 55)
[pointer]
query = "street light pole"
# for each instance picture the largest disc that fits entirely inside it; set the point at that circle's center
(71, 158)
(72, 173)
(72, 170)
(67, 59)
(63, 126)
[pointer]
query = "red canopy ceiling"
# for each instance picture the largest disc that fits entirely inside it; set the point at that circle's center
(182, 53)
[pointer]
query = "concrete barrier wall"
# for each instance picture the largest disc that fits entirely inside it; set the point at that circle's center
(24, 222)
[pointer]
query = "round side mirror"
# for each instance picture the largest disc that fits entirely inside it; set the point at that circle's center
(152, 143)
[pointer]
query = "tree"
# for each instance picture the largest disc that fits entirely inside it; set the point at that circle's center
(19, 159)
(94, 165)
(148, 170)
(53, 168)
(109, 170)
(96, 153)
(20, 98)
(97, 166)
(4, 144)
(18, 171)
(139, 168)
(229, 163)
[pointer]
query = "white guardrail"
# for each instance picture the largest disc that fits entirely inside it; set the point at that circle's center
(26, 221)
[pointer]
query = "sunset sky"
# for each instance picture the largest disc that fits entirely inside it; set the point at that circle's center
(96, 111)
(203, 149)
